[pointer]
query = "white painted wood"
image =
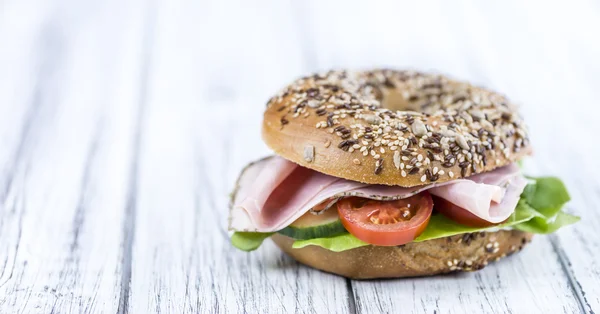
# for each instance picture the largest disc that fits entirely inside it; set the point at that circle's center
(67, 121)
(194, 143)
(182, 256)
(123, 126)
(577, 247)
(531, 281)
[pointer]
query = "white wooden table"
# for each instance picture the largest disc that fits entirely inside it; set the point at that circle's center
(123, 125)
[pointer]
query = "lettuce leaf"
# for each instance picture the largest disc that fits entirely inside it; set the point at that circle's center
(538, 211)
(439, 226)
(248, 241)
(541, 226)
(337, 243)
(547, 195)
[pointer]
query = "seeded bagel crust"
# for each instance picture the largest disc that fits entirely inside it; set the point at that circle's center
(393, 127)
(467, 252)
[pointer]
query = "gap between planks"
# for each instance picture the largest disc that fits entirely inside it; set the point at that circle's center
(573, 282)
(131, 205)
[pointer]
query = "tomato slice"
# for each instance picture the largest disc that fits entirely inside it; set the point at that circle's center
(459, 214)
(386, 223)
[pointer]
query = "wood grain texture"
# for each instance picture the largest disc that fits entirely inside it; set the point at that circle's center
(185, 262)
(181, 252)
(70, 121)
(123, 125)
(501, 287)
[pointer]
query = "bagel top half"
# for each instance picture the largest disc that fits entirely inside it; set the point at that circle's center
(393, 127)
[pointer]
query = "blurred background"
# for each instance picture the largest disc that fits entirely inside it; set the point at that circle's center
(219, 55)
(123, 125)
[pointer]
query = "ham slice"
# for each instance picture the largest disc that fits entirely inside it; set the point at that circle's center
(492, 196)
(273, 192)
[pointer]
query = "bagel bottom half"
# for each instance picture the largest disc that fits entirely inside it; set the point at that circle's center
(467, 252)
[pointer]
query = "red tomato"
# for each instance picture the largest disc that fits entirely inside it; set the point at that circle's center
(459, 214)
(386, 222)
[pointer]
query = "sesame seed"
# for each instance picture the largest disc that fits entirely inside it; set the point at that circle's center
(462, 142)
(378, 166)
(327, 143)
(346, 144)
(423, 178)
(397, 159)
(356, 161)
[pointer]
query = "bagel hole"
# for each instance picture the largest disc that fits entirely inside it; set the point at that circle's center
(394, 100)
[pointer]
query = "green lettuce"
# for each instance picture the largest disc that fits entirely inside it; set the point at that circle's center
(440, 226)
(544, 226)
(248, 241)
(539, 211)
(337, 243)
(547, 195)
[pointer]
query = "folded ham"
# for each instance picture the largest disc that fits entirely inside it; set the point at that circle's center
(273, 192)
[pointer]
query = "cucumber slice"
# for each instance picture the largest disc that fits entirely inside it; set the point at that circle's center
(310, 226)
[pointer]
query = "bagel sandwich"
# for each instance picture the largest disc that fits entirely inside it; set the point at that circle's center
(384, 174)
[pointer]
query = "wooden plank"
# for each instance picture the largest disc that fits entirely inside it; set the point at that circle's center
(183, 258)
(577, 246)
(201, 127)
(522, 283)
(71, 117)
